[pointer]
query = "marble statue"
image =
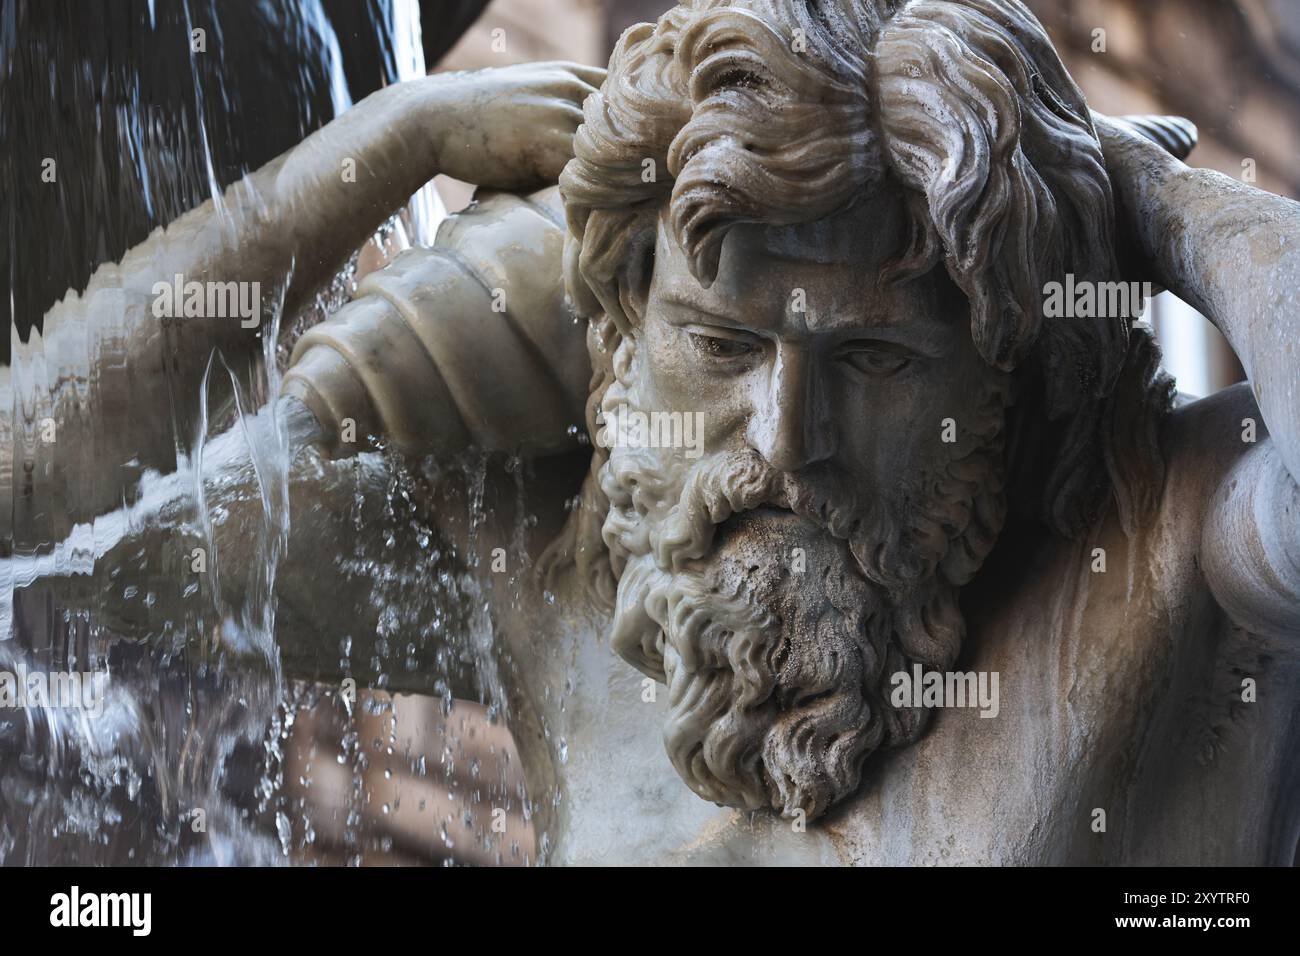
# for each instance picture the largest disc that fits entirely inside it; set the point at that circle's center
(877, 558)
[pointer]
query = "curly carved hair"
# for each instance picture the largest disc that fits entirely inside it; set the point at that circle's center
(786, 111)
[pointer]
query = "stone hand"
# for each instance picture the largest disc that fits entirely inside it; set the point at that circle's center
(511, 127)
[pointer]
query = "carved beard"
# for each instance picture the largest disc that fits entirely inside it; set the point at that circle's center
(770, 668)
(778, 660)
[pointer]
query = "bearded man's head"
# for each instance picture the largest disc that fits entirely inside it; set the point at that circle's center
(824, 230)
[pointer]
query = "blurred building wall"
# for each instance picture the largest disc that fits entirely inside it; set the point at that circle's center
(1232, 66)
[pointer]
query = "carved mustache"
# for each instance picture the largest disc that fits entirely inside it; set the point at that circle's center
(717, 488)
(824, 495)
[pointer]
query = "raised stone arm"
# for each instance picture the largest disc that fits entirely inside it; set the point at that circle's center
(1233, 252)
(288, 227)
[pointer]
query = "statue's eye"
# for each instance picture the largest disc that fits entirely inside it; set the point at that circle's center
(716, 346)
(875, 359)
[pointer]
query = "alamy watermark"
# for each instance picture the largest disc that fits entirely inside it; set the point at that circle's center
(133, 911)
(73, 690)
(632, 428)
(1084, 299)
(945, 689)
(208, 300)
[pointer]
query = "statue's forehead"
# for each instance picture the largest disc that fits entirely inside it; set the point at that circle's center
(867, 234)
(820, 275)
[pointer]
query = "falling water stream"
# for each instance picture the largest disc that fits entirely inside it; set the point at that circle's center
(175, 597)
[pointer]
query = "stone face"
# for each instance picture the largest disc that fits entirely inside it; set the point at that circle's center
(829, 241)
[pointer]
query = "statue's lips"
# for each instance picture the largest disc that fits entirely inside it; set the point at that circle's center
(770, 513)
(766, 515)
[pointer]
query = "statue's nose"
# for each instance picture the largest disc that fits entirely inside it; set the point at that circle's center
(791, 426)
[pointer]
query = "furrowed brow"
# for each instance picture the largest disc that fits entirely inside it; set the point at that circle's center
(683, 304)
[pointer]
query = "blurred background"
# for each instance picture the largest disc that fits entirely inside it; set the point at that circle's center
(142, 137)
